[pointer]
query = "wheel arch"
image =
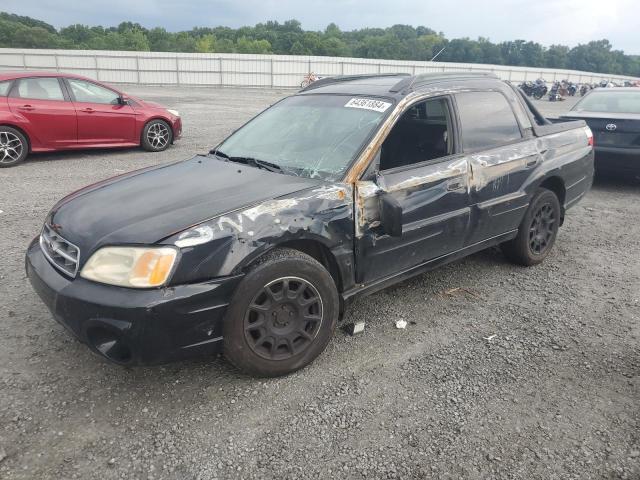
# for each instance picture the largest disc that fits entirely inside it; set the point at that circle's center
(556, 185)
(315, 248)
(157, 117)
(21, 130)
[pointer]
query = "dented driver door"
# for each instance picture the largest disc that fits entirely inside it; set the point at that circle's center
(435, 217)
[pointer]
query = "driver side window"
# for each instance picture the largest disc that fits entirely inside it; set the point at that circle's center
(91, 93)
(422, 133)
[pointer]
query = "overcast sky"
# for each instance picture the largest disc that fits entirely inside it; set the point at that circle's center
(545, 21)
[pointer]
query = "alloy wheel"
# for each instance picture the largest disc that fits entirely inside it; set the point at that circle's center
(542, 229)
(283, 318)
(158, 135)
(11, 147)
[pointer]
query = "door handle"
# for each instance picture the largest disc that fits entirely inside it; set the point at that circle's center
(26, 107)
(531, 163)
(88, 110)
(455, 185)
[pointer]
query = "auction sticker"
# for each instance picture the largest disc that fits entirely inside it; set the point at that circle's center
(368, 104)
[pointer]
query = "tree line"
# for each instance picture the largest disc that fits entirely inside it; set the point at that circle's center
(399, 42)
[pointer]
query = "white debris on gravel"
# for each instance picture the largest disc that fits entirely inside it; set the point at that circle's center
(401, 324)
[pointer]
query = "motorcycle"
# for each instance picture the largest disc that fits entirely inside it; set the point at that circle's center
(527, 88)
(572, 89)
(539, 91)
(308, 79)
(583, 90)
(554, 93)
(536, 90)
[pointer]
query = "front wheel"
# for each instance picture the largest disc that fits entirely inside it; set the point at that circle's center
(13, 147)
(156, 136)
(282, 315)
(537, 232)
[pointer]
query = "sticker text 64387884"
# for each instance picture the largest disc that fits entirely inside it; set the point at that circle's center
(368, 104)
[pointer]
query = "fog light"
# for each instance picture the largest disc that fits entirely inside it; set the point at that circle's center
(109, 344)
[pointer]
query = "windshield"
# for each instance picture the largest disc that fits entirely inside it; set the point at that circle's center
(315, 136)
(610, 101)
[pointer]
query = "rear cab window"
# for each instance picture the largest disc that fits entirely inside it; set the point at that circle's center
(610, 101)
(487, 120)
(38, 88)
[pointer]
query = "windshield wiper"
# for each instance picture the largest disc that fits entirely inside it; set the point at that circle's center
(254, 162)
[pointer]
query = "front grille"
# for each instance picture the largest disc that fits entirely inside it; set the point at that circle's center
(62, 254)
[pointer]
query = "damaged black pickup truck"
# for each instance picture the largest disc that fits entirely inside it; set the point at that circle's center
(351, 185)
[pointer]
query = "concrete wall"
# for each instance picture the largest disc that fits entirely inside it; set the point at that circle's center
(223, 69)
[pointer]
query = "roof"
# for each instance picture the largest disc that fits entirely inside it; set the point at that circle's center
(35, 73)
(390, 84)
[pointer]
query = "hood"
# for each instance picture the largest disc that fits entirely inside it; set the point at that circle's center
(146, 206)
(147, 103)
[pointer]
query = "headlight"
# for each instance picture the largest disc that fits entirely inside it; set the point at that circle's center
(134, 267)
(175, 113)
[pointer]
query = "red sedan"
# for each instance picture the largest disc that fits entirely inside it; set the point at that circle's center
(44, 112)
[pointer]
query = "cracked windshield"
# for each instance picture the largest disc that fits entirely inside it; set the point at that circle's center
(315, 136)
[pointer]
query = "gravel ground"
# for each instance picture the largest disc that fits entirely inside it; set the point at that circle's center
(502, 372)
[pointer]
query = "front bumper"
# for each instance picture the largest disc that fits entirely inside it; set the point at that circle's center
(618, 160)
(134, 327)
(176, 126)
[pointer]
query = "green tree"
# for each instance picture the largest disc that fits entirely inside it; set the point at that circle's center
(183, 42)
(402, 42)
(556, 56)
(18, 35)
(27, 21)
(160, 40)
(206, 43)
(298, 49)
(333, 47)
(225, 45)
(490, 52)
(129, 40)
(427, 46)
(462, 50)
(333, 30)
(244, 45)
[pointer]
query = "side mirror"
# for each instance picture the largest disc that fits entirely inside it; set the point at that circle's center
(390, 215)
(123, 100)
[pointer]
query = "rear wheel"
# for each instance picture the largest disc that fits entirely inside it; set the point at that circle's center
(537, 232)
(156, 136)
(14, 147)
(282, 315)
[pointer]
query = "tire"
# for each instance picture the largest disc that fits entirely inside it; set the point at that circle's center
(537, 232)
(14, 147)
(156, 136)
(267, 334)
